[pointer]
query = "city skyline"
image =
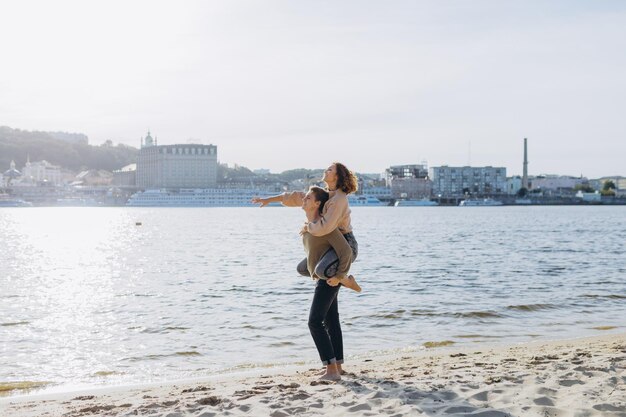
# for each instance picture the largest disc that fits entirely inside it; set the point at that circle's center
(280, 86)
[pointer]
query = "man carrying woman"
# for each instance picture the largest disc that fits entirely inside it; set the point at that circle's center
(328, 222)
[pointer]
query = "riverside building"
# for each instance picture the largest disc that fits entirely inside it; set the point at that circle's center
(457, 181)
(42, 171)
(176, 166)
(409, 181)
(558, 184)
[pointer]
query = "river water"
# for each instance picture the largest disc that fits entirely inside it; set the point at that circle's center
(89, 296)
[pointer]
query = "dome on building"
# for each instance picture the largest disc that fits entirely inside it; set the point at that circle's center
(148, 140)
(12, 172)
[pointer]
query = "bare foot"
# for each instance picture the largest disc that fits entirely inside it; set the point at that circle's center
(330, 377)
(341, 372)
(351, 283)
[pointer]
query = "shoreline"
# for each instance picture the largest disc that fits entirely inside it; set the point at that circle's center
(43, 389)
(581, 376)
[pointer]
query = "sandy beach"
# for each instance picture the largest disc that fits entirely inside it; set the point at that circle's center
(581, 377)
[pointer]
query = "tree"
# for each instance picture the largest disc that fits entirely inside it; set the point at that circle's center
(608, 189)
(608, 185)
(585, 188)
(18, 144)
(296, 174)
(522, 192)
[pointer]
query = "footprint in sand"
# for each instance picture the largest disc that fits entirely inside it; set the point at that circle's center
(319, 404)
(609, 407)
(480, 396)
(295, 411)
(96, 409)
(377, 395)
(245, 394)
(545, 401)
(196, 389)
(300, 395)
(360, 407)
(459, 410)
(546, 391)
(570, 382)
(211, 400)
(84, 398)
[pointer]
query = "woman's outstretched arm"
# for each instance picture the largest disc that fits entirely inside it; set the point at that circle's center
(265, 201)
(292, 199)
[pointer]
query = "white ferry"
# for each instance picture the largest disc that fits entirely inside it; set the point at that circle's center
(8, 201)
(197, 197)
(485, 202)
(424, 202)
(364, 200)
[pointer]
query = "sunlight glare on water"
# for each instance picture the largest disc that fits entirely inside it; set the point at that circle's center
(88, 296)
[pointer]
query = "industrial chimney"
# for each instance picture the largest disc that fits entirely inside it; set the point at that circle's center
(525, 172)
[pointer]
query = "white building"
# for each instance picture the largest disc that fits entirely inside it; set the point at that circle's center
(406, 171)
(176, 166)
(557, 182)
(513, 185)
(126, 176)
(590, 197)
(381, 193)
(42, 171)
(408, 181)
(457, 181)
(411, 188)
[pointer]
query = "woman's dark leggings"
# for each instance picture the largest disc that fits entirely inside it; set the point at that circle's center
(324, 323)
(327, 266)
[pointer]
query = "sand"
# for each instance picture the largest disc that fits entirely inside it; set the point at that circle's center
(581, 377)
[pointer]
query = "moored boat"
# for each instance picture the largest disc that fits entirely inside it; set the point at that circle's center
(364, 200)
(8, 201)
(424, 202)
(196, 197)
(485, 202)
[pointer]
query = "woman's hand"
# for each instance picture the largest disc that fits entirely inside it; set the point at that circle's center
(304, 229)
(262, 201)
(333, 282)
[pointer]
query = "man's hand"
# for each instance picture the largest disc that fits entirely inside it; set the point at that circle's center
(333, 282)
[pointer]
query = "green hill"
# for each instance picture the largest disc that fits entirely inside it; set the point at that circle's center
(17, 145)
(74, 154)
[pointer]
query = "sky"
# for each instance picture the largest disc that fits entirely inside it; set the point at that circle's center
(290, 84)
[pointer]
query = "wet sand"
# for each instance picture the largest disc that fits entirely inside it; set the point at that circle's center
(581, 377)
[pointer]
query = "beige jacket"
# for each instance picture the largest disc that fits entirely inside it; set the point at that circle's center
(336, 213)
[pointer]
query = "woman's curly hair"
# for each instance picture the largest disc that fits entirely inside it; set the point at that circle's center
(346, 180)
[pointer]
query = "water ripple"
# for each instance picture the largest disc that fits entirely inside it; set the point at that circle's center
(195, 291)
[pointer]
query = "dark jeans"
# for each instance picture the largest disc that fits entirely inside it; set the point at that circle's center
(324, 323)
(327, 266)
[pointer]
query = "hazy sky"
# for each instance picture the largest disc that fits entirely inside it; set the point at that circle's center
(287, 84)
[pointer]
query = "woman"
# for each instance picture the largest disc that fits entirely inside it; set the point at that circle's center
(335, 214)
(324, 313)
